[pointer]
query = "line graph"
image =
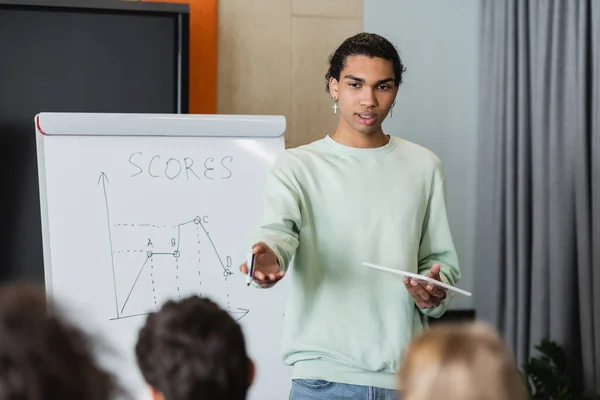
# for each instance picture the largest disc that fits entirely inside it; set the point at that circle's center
(152, 263)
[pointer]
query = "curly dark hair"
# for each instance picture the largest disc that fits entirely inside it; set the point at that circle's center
(364, 44)
(44, 357)
(193, 349)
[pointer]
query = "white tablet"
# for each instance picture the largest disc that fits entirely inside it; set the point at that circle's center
(418, 278)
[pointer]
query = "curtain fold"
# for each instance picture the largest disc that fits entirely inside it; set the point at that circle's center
(538, 269)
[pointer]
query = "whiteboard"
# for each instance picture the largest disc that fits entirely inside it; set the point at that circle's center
(141, 208)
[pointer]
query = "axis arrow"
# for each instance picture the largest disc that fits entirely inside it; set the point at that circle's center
(237, 315)
(104, 179)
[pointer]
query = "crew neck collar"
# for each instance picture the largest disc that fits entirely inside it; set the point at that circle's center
(341, 148)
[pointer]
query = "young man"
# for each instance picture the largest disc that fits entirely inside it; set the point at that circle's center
(357, 195)
(192, 349)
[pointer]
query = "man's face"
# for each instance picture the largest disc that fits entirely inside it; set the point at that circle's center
(365, 93)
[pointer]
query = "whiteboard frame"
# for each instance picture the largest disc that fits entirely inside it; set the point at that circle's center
(140, 125)
(46, 257)
(169, 125)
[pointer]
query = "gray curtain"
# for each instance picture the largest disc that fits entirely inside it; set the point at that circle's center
(538, 250)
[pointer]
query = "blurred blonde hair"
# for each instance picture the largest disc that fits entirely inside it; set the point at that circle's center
(460, 361)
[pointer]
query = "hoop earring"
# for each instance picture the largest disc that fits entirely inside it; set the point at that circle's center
(335, 106)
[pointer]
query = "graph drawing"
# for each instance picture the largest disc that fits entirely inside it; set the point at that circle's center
(151, 263)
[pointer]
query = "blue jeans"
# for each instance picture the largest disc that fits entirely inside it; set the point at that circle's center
(313, 389)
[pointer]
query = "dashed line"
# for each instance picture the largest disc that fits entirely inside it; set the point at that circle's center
(199, 261)
(144, 225)
(153, 286)
(177, 277)
(129, 251)
(227, 290)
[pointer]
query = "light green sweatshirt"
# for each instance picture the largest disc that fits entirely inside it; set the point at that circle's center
(328, 208)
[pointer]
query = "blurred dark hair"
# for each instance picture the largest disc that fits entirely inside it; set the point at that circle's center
(41, 355)
(193, 349)
(364, 44)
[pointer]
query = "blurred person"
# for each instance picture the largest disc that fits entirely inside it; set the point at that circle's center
(193, 349)
(42, 356)
(465, 361)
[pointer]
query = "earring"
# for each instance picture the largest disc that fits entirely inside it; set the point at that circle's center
(392, 109)
(335, 106)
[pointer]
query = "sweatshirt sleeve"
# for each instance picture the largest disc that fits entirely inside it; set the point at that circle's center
(281, 219)
(437, 246)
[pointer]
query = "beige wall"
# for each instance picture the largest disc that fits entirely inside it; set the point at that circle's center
(273, 59)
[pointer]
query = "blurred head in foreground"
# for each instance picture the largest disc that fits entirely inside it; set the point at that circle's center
(41, 355)
(193, 349)
(462, 362)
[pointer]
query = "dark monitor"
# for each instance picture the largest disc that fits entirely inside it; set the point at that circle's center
(76, 56)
